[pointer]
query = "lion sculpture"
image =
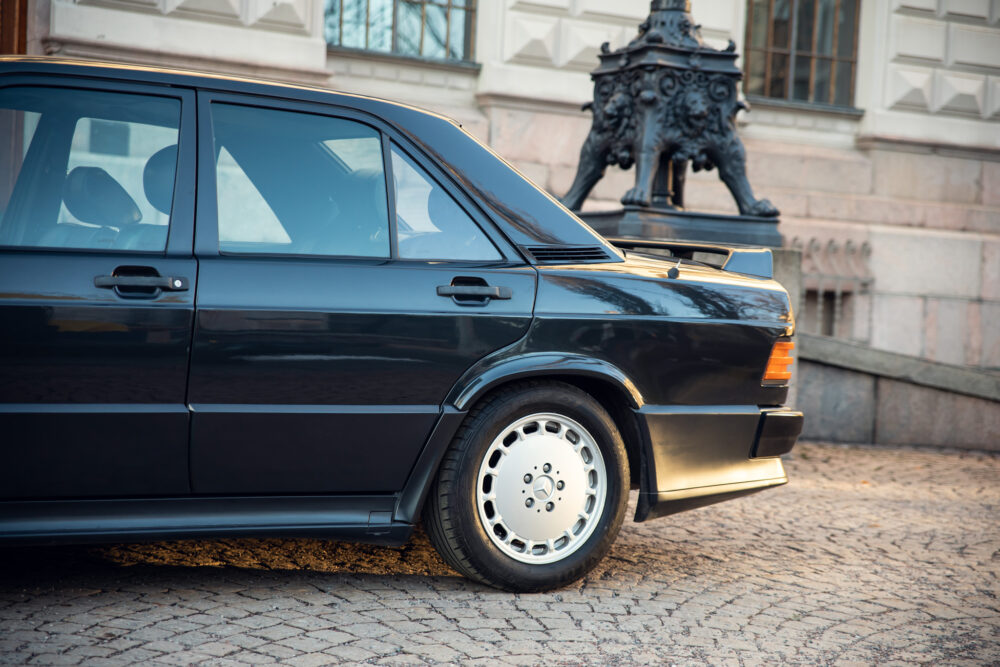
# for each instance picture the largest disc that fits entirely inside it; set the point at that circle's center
(662, 115)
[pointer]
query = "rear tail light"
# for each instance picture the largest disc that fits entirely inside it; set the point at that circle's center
(779, 364)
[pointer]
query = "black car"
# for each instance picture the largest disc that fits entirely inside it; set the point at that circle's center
(231, 307)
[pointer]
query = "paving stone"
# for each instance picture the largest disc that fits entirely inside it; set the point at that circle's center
(869, 555)
(350, 653)
(181, 658)
(311, 660)
(55, 659)
(401, 660)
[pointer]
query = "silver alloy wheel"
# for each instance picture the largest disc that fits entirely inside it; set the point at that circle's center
(541, 488)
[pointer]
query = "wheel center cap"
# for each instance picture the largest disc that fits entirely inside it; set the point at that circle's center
(543, 487)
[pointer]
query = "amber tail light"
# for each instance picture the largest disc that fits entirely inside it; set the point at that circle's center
(779, 365)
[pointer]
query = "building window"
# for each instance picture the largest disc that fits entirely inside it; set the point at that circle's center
(802, 50)
(433, 29)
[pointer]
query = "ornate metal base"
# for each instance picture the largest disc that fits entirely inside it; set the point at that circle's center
(658, 223)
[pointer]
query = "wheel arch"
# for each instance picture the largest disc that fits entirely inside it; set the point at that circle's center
(575, 369)
(603, 381)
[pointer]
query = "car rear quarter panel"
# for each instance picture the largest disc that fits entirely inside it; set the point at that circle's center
(702, 338)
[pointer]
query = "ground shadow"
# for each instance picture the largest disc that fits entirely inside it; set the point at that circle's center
(278, 563)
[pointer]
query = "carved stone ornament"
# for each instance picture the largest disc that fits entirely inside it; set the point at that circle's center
(664, 102)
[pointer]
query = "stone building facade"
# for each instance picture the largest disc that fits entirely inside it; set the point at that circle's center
(894, 198)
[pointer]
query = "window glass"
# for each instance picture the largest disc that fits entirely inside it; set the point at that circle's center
(408, 31)
(298, 183)
(435, 29)
(86, 170)
(802, 50)
(429, 224)
(244, 215)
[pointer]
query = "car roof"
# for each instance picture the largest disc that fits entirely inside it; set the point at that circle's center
(527, 215)
(194, 78)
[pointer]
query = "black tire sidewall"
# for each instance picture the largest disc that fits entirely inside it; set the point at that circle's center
(480, 550)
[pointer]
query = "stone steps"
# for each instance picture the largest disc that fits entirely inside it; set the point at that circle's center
(852, 393)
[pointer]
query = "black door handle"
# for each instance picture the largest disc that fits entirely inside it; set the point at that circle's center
(167, 283)
(478, 291)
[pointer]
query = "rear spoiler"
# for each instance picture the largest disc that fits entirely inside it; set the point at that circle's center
(750, 261)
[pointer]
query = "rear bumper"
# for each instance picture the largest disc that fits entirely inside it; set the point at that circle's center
(779, 429)
(699, 455)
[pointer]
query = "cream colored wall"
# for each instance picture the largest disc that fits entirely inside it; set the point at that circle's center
(936, 72)
(269, 35)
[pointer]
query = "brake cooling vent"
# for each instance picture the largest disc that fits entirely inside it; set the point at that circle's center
(563, 254)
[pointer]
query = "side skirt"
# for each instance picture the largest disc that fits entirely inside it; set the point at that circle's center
(348, 518)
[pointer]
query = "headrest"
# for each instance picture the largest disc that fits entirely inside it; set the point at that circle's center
(158, 178)
(93, 196)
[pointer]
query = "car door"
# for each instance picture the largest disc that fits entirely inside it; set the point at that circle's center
(327, 336)
(97, 281)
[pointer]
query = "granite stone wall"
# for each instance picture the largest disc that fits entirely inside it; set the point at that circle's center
(855, 407)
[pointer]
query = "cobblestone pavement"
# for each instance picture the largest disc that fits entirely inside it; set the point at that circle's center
(868, 555)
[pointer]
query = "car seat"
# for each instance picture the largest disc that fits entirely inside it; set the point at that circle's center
(158, 185)
(94, 197)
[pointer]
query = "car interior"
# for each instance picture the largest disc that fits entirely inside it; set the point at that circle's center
(68, 192)
(323, 206)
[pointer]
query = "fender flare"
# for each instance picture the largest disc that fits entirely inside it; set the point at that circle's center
(488, 374)
(492, 372)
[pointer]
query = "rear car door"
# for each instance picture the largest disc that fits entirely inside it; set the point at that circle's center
(97, 281)
(337, 305)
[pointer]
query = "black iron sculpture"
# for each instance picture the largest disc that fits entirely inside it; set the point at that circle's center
(665, 101)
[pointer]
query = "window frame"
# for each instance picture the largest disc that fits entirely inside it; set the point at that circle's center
(791, 53)
(180, 227)
(207, 231)
(468, 61)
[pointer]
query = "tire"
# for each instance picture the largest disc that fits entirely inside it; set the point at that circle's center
(532, 491)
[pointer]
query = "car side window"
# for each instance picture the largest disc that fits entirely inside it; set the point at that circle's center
(429, 223)
(298, 183)
(86, 170)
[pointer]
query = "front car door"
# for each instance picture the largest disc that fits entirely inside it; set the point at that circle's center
(344, 287)
(97, 283)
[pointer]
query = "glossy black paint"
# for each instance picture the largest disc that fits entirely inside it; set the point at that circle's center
(411, 499)
(365, 518)
(345, 379)
(698, 452)
(778, 431)
(702, 338)
(384, 356)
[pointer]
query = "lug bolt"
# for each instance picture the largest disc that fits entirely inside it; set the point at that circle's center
(549, 507)
(527, 479)
(560, 484)
(529, 502)
(546, 468)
